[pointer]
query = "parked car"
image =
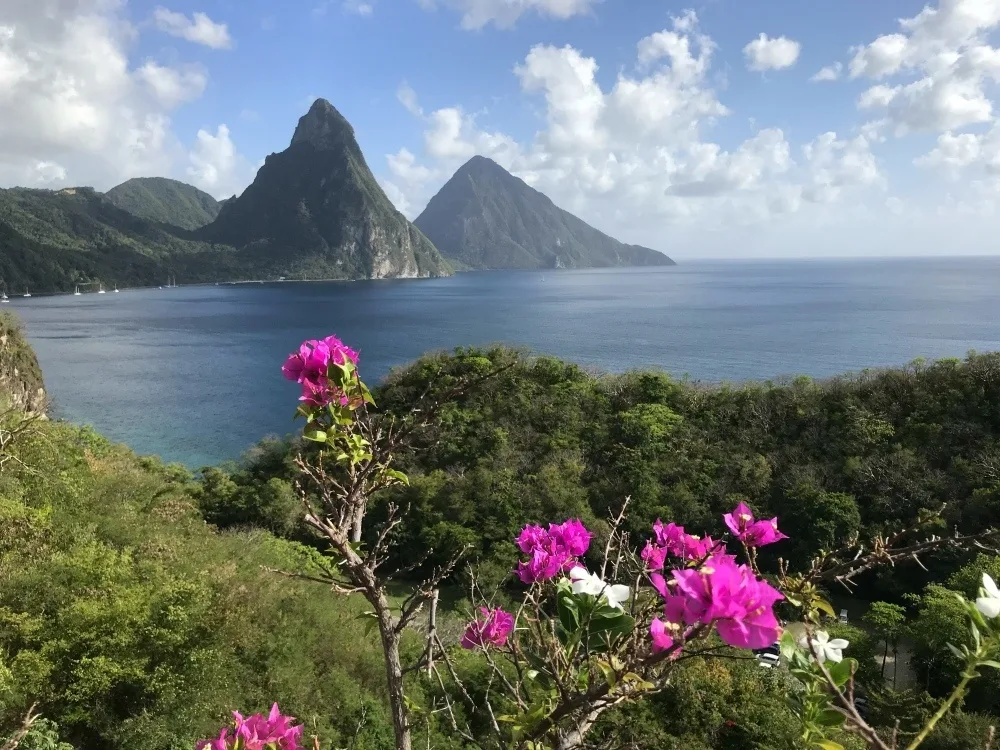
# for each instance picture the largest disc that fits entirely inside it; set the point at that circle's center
(861, 706)
(769, 657)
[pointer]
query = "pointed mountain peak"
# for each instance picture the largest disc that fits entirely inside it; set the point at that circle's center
(323, 126)
(482, 165)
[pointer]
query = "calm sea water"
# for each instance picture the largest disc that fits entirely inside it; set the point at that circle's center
(192, 373)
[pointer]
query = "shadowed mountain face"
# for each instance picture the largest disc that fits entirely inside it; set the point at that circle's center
(165, 201)
(485, 217)
(315, 210)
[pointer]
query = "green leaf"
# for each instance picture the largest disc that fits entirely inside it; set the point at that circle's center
(609, 674)
(841, 672)
(958, 654)
(824, 605)
(398, 476)
(830, 718)
(827, 745)
(568, 611)
(990, 663)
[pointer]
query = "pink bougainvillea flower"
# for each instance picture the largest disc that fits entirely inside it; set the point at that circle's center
(492, 628)
(551, 550)
(749, 530)
(673, 540)
(257, 732)
(573, 536)
(726, 594)
(339, 351)
(654, 556)
(223, 742)
(660, 635)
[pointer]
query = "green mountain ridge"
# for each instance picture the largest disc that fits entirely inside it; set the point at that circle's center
(165, 201)
(486, 218)
(315, 211)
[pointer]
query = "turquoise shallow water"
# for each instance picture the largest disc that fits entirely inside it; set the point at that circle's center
(192, 373)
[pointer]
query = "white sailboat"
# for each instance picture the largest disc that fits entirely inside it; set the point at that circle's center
(77, 292)
(101, 290)
(116, 289)
(3, 293)
(27, 293)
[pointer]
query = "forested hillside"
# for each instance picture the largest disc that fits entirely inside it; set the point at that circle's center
(545, 438)
(134, 624)
(165, 201)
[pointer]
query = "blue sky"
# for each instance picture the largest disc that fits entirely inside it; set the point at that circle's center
(706, 146)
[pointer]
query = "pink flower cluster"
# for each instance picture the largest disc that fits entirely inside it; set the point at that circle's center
(492, 629)
(750, 531)
(671, 539)
(310, 365)
(717, 591)
(257, 733)
(551, 551)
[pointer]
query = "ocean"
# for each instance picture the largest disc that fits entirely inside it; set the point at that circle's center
(193, 373)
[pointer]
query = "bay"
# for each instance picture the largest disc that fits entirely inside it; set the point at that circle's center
(193, 373)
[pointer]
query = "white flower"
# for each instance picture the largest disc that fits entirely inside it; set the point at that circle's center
(989, 604)
(826, 650)
(585, 582)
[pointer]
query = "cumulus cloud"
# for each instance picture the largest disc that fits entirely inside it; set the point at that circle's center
(946, 49)
(636, 158)
(828, 73)
(216, 165)
(75, 109)
(199, 29)
(765, 53)
(171, 86)
(955, 152)
(505, 13)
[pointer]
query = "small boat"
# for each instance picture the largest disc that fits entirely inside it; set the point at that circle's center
(101, 290)
(77, 292)
(27, 293)
(116, 289)
(4, 297)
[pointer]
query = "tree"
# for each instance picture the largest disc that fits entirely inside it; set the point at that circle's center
(886, 621)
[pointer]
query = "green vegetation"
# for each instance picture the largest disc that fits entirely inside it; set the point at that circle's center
(165, 201)
(484, 217)
(315, 211)
(133, 623)
(21, 384)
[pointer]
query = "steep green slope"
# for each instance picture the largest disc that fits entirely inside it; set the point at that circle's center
(21, 385)
(52, 240)
(165, 201)
(315, 210)
(484, 217)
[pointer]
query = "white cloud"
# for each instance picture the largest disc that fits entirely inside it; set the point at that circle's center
(946, 49)
(171, 86)
(358, 7)
(828, 73)
(635, 159)
(199, 29)
(216, 166)
(955, 152)
(765, 53)
(505, 13)
(75, 109)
